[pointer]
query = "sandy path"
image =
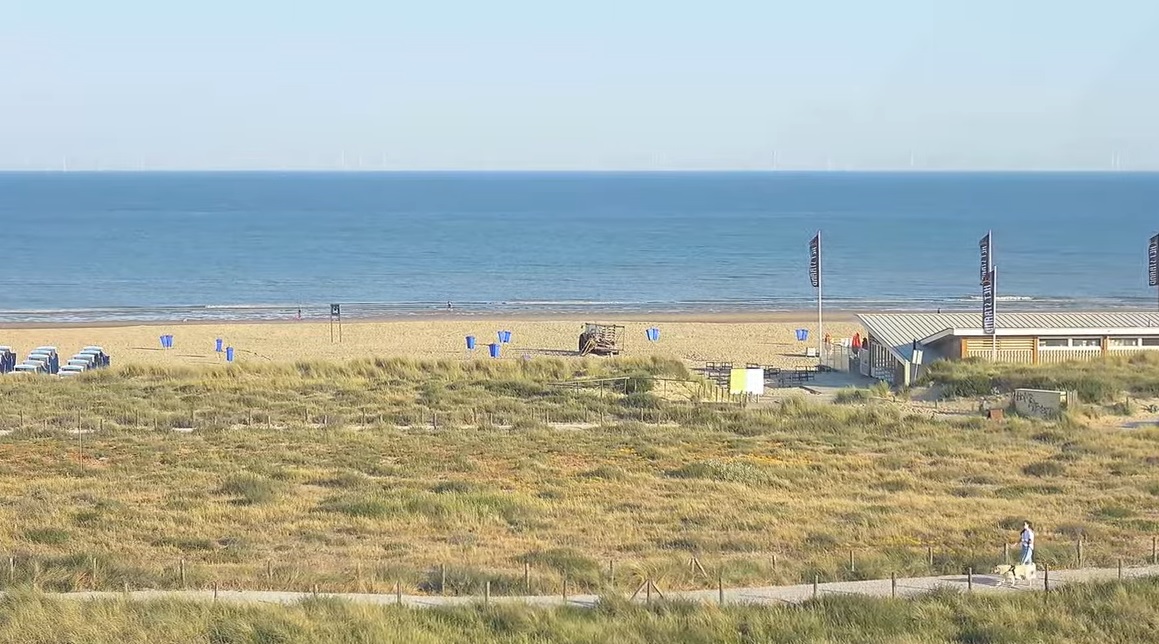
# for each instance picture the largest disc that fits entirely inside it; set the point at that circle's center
(907, 587)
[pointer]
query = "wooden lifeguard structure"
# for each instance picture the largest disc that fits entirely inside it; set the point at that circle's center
(600, 339)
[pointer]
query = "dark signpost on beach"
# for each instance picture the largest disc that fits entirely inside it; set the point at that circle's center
(988, 279)
(336, 316)
(815, 280)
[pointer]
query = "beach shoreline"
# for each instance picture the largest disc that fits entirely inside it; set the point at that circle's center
(709, 317)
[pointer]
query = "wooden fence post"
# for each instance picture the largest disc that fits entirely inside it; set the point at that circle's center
(398, 591)
(181, 571)
(612, 571)
(93, 570)
(1005, 552)
(852, 564)
(442, 579)
(1154, 551)
(565, 587)
(215, 591)
(527, 577)
(970, 579)
(720, 588)
(774, 562)
(487, 593)
(1120, 569)
(816, 578)
(648, 591)
(930, 555)
(1079, 551)
(1045, 578)
(893, 585)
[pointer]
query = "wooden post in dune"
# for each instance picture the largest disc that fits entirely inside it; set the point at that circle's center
(442, 579)
(816, 580)
(11, 569)
(1154, 551)
(93, 570)
(1079, 551)
(181, 571)
(269, 574)
(1120, 569)
(852, 563)
(970, 579)
(527, 577)
(720, 588)
(893, 585)
(215, 591)
(612, 571)
(487, 593)
(565, 587)
(398, 591)
(930, 555)
(1045, 578)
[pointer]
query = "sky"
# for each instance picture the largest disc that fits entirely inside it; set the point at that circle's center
(597, 85)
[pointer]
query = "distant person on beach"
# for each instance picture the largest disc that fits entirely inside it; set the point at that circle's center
(1026, 540)
(299, 314)
(449, 307)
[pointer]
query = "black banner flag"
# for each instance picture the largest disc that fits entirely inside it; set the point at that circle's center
(815, 261)
(988, 303)
(984, 248)
(1153, 261)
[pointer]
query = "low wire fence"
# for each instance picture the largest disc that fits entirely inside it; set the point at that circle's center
(553, 574)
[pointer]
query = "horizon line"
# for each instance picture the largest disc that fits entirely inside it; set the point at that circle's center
(368, 171)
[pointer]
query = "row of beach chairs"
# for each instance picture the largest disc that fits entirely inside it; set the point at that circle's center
(46, 360)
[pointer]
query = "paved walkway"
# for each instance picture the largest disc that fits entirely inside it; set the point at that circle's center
(908, 587)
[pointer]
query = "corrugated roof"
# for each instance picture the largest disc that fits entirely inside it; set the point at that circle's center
(898, 330)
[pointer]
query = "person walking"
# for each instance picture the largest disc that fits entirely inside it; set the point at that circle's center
(1026, 540)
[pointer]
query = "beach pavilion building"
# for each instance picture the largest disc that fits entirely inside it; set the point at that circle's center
(901, 345)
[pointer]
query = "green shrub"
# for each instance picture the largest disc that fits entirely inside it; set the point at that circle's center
(1044, 468)
(48, 536)
(849, 395)
(250, 489)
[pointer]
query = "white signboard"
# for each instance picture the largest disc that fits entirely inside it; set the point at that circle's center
(1039, 403)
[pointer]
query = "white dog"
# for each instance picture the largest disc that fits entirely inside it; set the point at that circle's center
(1012, 573)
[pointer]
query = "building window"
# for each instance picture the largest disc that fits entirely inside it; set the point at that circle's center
(1151, 342)
(1053, 343)
(1124, 342)
(1087, 343)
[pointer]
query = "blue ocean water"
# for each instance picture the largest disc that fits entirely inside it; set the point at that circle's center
(125, 246)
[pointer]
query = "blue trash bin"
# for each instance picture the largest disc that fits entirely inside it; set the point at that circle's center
(802, 335)
(505, 336)
(470, 343)
(164, 342)
(217, 345)
(169, 341)
(493, 349)
(229, 354)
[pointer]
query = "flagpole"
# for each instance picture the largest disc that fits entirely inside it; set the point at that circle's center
(820, 324)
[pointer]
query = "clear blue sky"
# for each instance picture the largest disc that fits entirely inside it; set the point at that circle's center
(633, 84)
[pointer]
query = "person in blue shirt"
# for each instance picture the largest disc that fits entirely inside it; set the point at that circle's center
(1026, 540)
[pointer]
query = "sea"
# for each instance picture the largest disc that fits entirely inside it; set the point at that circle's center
(111, 247)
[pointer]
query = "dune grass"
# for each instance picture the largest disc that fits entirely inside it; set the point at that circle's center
(1085, 613)
(1096, 381)
(518, 471)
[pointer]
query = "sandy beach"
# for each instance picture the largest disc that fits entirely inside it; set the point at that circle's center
(765, 339)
